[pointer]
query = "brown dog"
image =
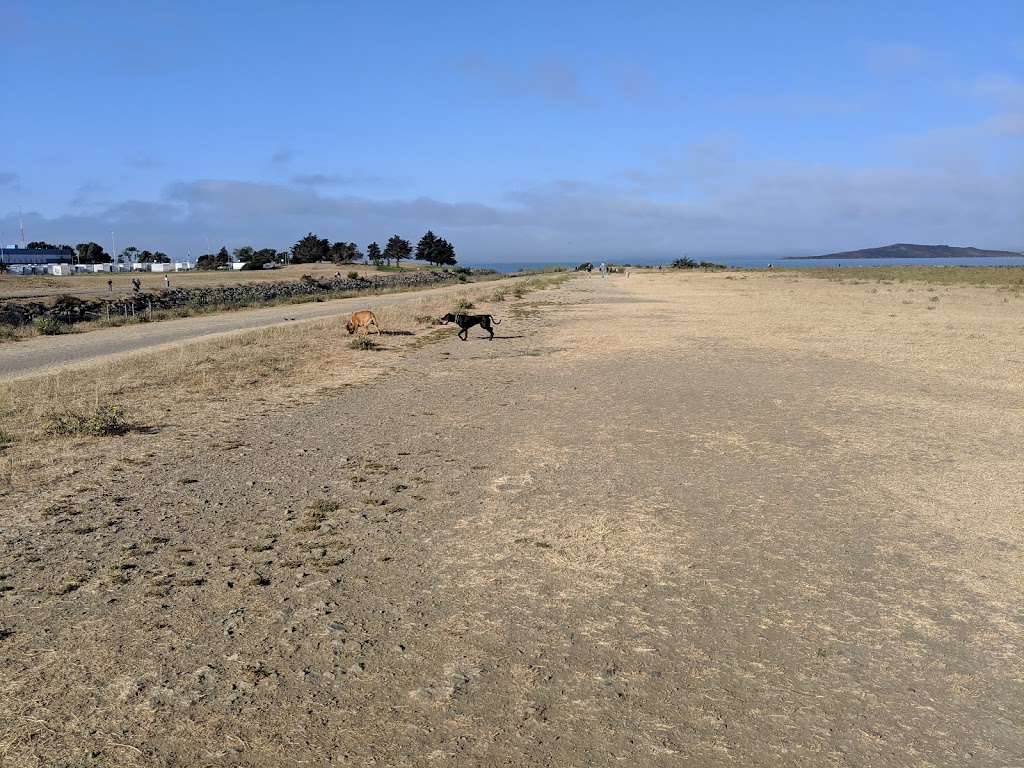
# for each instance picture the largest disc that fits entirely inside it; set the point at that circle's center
(362, 320)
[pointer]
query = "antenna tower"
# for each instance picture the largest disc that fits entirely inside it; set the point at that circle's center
(21, 224)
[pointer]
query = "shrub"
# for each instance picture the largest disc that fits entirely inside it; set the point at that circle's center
(463, 305)
(353, 275)
(47, 326)
(363, 342)
(106, 421)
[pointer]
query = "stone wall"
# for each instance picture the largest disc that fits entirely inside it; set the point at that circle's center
(71, 309)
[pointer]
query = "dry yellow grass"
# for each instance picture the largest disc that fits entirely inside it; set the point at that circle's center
(199, 385)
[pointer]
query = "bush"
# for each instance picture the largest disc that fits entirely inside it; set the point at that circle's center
(463, 305)
(353, 275)
(47, 326)
(106, 421)
(363, 342)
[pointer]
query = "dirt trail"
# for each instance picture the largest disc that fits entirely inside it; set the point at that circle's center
(49, 354)
(679, 520)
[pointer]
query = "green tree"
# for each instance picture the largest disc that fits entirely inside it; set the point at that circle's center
(426, 248)
(260, 258)
(345, 253)
(129, 256)
(373, 254)
(398, 248)
(310, 249)
(91, 253)
(148, 257)
(244, 254)
(211, 261)
(445, 253)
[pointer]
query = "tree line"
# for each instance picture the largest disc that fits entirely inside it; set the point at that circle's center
(310, 249)
(93, 253)
(430, 248)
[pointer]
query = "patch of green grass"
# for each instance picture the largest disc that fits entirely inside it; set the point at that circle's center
(47, 326)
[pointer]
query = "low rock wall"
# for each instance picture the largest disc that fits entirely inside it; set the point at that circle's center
(71, 309)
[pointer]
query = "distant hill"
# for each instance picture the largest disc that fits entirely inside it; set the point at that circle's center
(907, 251)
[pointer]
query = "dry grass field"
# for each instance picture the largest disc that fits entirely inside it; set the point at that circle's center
(96, 283)
(666, 519)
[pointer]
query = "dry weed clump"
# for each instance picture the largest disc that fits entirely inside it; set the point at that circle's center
(104, 422)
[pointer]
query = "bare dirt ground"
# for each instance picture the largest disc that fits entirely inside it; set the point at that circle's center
(698, 519)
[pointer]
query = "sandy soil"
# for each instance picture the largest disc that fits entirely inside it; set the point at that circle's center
(702, 519)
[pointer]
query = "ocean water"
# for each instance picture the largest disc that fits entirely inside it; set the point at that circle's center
(761, 262)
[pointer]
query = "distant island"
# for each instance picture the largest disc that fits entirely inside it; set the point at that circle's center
(907, 251)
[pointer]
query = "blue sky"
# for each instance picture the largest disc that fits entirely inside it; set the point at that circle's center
(524, 131)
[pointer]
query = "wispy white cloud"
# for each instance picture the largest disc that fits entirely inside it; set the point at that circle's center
(1002, 90)
(552, 79)
(794, 104)
(893, 58)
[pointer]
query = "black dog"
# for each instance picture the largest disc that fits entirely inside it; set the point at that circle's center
(465, 322)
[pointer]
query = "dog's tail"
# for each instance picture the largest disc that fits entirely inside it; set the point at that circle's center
(496, 322)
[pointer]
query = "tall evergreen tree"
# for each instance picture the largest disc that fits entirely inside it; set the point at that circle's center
(426, 248)
(373, 253)
(397, 248)
(310, 249)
